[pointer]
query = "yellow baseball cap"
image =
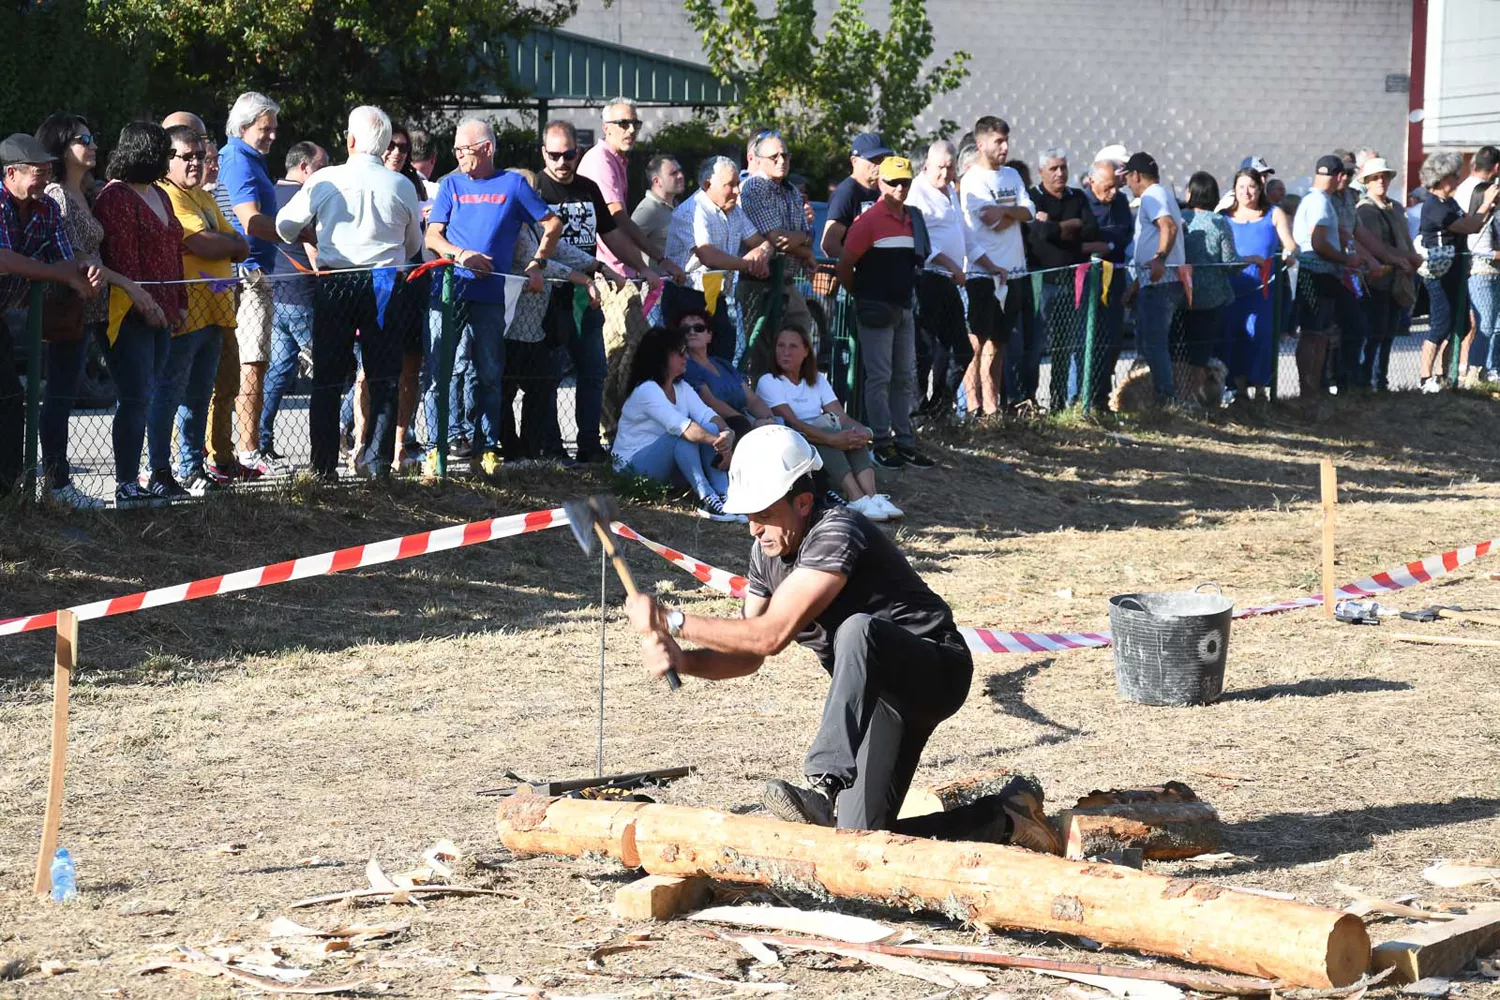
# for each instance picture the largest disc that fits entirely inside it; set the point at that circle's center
(895, 168)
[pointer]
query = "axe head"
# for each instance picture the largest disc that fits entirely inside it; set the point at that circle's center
(1424, 615)
(585, 513)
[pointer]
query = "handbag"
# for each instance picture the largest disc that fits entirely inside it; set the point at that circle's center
(1403, 289)
(1439, 260)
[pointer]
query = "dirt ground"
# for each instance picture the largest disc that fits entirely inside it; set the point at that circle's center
(324, 722)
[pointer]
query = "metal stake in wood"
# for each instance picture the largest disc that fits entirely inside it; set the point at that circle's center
(1330, 498)
(603, 580)
(63, 664)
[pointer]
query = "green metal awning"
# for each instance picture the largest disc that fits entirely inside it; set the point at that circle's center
(557, 67)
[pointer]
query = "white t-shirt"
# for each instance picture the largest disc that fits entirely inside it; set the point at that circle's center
(1157, 201)
(944, 217)
(980, 187)
(648, 414)
(806, 401)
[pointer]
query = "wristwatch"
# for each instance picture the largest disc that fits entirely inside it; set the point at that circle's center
(675, 620)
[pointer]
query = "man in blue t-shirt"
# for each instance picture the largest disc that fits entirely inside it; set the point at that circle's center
(475, 219)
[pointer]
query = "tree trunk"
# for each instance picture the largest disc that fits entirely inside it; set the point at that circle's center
(1162, 830)
(1304, 945)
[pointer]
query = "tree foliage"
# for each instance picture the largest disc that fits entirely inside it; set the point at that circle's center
(853, 78)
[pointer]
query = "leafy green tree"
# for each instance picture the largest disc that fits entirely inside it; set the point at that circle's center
(852, 78)
(55, 59)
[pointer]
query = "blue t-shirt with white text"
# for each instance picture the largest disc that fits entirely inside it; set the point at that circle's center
(484, 216)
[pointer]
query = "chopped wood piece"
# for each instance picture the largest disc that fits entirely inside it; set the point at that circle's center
(451, 890)
(952, 794)
(205, 966)
(1162, 830)
(661, 897)
(838, 926)
(1363, 904)
(1172, 791)
(1440, 949)
(1451, 876)
(1138, 989)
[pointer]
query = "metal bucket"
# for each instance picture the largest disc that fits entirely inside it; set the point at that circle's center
(1170, 648)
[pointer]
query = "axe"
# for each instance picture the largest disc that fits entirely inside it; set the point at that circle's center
(592, 516)
(1453, 612)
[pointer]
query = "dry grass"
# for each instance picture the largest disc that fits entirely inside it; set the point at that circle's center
(338, 718)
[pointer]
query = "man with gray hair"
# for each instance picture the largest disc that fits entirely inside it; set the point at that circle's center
(942, 334)
(361, 216)
(653, 214)
(604, 164)
(1061, 226)
(245, 178)
(710, 232)
(476, 218)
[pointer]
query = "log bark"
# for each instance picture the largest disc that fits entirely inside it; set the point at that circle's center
(1304, 945)
(1162, 830)
(952, 794)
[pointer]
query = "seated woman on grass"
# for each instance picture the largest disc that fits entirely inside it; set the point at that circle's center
(715, 380)
(664, 426)
(800, 395)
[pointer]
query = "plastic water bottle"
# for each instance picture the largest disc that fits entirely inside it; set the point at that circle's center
(64, 877)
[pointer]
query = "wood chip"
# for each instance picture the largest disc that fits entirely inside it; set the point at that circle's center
(205, 966)
(53, 967)
(1455, 876)
(736, 983)
(839, 926)
(234, 848)
(378, 878)
(141, 908)
(451, 890)
(441, 856)
(1364, 904)
(1138, 989)
(756, 948)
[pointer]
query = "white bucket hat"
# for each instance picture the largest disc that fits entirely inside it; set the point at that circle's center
(1373, 166)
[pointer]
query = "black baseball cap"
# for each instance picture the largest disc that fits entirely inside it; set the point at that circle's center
(22, 148)
(1141, 163)
(1330, 166)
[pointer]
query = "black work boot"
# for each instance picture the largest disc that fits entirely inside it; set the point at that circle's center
(796, 804)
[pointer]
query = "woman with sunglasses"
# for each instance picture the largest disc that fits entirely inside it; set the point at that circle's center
(717, 382)
(70, 139)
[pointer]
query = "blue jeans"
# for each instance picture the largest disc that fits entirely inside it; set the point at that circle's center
(694, 461)
(1484, 296)
(291, 333)
(482, 324)
(65, 362)
(1442, 295)
(136, 361)
(1154, 308)
(187, 383)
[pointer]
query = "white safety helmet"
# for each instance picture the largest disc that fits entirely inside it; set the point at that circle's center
(766, 463)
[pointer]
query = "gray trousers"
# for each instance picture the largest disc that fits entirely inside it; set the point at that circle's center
(889, 357)
(890, 690)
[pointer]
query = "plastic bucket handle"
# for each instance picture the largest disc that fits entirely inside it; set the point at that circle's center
(1217, 589)
(1138, 605)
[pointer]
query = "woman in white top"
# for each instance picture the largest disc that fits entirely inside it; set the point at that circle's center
(665, 426)
(800, 395)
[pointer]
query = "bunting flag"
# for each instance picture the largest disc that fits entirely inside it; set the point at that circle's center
(417, 272)
(1291, 276)
(651, 299)
(119, 307)
(383, 281)
(1265, 278)
(1036, 292)
(580, 306)
(296, 266)
(1001, 291)
(217, 285)
(1185, 275)
(515, 284)
(1109, 277)
(713, 285)
(1080, 278)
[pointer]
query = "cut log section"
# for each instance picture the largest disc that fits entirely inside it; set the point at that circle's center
(1440, 949)
(1161, 830)
(1303, 945)
(952, 794)
(661, 897)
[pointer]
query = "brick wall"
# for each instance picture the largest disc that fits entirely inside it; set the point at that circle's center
(1198, 83)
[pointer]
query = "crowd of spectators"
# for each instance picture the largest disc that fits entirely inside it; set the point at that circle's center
(208, 284)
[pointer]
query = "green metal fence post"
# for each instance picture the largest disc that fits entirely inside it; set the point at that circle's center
(446, 350)
(33, 384)
(1091, 288)
(1460, 322)
(1278, 279)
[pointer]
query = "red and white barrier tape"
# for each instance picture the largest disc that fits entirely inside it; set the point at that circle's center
(355, 557)
(983, 640)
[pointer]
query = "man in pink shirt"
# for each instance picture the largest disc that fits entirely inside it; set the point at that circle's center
(604, 164)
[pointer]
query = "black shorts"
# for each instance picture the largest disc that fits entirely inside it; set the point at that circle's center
(1317, 300)
(987, 320)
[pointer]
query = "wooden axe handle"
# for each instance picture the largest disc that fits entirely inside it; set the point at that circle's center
(1442, 640)
(623, 570)
(1465, 616)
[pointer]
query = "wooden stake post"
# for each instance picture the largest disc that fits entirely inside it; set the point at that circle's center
(1330, 498)
(64, 662)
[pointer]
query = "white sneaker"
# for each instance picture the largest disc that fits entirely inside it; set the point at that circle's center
(1432, 384)
(870, 508)
(890, 510)
(1491, 375)
(74, 497)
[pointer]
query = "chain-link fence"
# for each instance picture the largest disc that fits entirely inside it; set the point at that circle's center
(361, 373)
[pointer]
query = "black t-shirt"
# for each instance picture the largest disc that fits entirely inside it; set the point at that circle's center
(849, 201)
(1437, 215)
(582, 208)
(881, 583)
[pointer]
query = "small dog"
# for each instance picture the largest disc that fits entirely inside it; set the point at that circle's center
(1200, 385)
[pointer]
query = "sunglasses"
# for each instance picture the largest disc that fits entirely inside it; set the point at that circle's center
(695, 328)
(472, 147)
(197, 157)
(568, 155)
(85, 139)
(628, 124)
(774, 156)
(904, 183)
(402, 146)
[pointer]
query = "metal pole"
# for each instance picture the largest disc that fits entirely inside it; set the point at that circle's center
(33, 384)
(603, 579)
(1090, 332)
(1278, 280)
(1460, 320)
(446, 350)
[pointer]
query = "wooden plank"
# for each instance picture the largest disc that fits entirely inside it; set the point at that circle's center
(1330, 485)
(64, 661)
(1440, 949)
(661, 897)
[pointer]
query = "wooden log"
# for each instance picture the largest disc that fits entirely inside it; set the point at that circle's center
(1172, 791)
(661, 897)
(1440, 949)
(952, 794)
(535, 824)
(988, 884)
(1162, 830)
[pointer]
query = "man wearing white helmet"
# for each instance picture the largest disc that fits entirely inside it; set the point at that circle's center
(829, 579)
